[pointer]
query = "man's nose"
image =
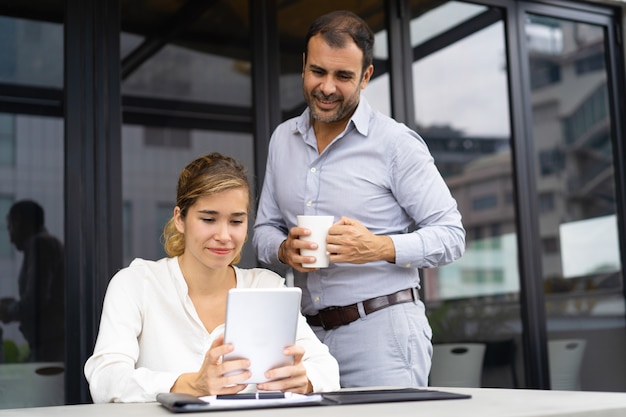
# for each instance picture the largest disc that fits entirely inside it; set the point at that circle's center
(328, 85)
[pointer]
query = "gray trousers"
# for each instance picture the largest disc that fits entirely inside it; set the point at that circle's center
(390, 347)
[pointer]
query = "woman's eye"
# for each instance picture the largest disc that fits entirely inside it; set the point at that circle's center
(208, 220)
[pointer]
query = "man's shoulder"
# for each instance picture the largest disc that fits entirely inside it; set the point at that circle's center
(294, 124)
(382, 125)
(47, 243)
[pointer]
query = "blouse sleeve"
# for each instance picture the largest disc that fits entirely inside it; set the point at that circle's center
(111, 371)
(321, 367)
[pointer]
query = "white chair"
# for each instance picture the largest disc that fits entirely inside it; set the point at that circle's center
(33, 384)
(457, 365)
(566, 358)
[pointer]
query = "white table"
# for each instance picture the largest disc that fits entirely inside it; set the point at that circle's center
(485, 402)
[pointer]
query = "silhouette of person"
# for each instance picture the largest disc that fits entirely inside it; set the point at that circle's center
(40, 309)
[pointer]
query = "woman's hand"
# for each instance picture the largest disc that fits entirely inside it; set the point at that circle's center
(289, 378)
(211, 379)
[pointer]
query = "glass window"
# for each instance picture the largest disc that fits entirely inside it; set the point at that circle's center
(462, 112)
(6, 247)
(7, 139)
(127, 222)
(182, 72)
(473, 148)
(149, 177)
(581, 264)
(32, 288)
(205, 67)
(31, 52)
(32, 335)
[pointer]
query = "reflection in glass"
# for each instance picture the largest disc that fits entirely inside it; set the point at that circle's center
(151, 165)
(30, 52)
(377, 90)
(182, 73)
(437, 20)
(472, 102)
(206, 60)
(32, 283)
(463, 115)
(574, 166)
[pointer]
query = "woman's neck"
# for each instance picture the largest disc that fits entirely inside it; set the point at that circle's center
(203, 280)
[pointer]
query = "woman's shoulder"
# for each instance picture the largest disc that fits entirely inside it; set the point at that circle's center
(140, 270)
(258, 278)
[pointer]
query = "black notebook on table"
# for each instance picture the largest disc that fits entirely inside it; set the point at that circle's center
(183, 403)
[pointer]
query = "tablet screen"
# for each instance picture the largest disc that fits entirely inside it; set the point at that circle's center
(260, 323)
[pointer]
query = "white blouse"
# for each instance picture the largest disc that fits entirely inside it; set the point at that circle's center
(150, 334)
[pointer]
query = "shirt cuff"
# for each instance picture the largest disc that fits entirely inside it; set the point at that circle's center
(406, 251)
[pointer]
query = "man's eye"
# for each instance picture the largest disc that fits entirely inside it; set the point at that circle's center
(345, 77)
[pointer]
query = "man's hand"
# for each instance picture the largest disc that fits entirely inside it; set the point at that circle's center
(351, 242)
(289, 250)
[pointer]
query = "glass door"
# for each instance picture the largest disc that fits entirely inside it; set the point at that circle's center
(573, 136)
(463, 80)
(32, 223)
(461, 100)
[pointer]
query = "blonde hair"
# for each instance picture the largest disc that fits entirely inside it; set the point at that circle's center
(207, 175)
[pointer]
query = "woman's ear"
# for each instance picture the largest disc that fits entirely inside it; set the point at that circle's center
(179, 222)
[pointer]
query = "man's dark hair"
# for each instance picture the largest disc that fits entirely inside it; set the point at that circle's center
(28, 211)
(336, 27)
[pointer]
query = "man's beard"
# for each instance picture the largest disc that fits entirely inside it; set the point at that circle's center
(340, 113)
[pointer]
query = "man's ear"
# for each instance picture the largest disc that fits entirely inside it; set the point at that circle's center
(367, 75)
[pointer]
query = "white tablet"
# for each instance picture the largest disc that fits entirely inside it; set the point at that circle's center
(260, 323)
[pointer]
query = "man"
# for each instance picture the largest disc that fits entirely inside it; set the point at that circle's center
(393, 212)
(41, 305)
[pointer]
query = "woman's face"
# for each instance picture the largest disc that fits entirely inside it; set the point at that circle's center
(215, 228)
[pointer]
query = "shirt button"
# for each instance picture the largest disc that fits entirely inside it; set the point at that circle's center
(309, 203)
(317, 299)
(407, 265)
(313, 169)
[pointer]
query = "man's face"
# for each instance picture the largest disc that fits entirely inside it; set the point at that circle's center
(332, 80)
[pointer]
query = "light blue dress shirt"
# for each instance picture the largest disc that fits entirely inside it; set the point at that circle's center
(376, 171)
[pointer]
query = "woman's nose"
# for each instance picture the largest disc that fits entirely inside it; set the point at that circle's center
(222, 232)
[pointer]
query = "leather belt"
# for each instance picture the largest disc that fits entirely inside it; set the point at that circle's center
(333, 317)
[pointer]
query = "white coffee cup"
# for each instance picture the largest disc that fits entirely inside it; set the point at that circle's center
(319, 226)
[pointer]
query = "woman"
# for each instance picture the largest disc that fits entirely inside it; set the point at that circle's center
(162, 321)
